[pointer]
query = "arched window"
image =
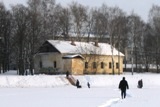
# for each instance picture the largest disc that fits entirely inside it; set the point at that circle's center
(110, 65)
(102, 65)
(86, 64)
(55, 64)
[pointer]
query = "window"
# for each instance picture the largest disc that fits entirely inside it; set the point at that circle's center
(55, 64)
(117, 65)
(110, 65)
(94, 65)
(86, 64)
(40, 64)
(102, 65)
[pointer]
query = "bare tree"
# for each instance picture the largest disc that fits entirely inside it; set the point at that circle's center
(120, 31)
(63, 20)
(136, 36)
(148, 47)
(114, 13)
(90, 24)
(49, 11)
(5, 29)
(100, 22)
(79, 18)
(34, 33)
(20, 16)
(154, 20)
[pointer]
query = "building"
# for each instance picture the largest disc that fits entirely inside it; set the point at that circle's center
(56, 56)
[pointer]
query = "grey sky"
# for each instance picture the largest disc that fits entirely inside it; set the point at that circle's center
(140, 7)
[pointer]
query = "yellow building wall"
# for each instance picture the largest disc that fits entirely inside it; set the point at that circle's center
(106, 60)
(77, 66)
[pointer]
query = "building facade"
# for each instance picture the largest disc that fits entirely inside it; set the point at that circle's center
(78, 58)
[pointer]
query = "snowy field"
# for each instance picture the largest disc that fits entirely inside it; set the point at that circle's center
(56, 91)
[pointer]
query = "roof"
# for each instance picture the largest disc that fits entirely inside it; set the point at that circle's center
(72, 56)
(83, 48)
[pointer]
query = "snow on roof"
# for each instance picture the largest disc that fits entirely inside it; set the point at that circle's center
(73, 56)
(83, 47)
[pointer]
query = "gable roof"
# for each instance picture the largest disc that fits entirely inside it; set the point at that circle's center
(83, 48)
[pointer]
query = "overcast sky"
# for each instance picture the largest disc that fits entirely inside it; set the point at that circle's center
(140, 7)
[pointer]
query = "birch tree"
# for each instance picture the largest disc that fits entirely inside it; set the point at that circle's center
(5, 31)
(20, 16)
(114, 13)
(79, 19)
(154, 20)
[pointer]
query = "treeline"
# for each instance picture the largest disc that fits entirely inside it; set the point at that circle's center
(24, 28)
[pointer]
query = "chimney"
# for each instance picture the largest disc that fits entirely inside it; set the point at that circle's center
(73, 43)
(96, 43)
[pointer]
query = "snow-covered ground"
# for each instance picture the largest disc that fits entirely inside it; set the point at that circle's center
(56, 91)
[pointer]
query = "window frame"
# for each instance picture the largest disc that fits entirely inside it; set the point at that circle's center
(86, 65)
(94, 65)
(117, 65)
(55, 64)
(110, 65)
(102, 65)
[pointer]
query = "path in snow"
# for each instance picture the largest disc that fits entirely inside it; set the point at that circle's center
(112, 101)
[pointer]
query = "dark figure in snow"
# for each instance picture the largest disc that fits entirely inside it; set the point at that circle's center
(140, 83)
(78, 84)
(26, 72)
(123, 85)
(88, 84)
(67, 74)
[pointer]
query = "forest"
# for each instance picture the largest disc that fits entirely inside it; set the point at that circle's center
(24, 28)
